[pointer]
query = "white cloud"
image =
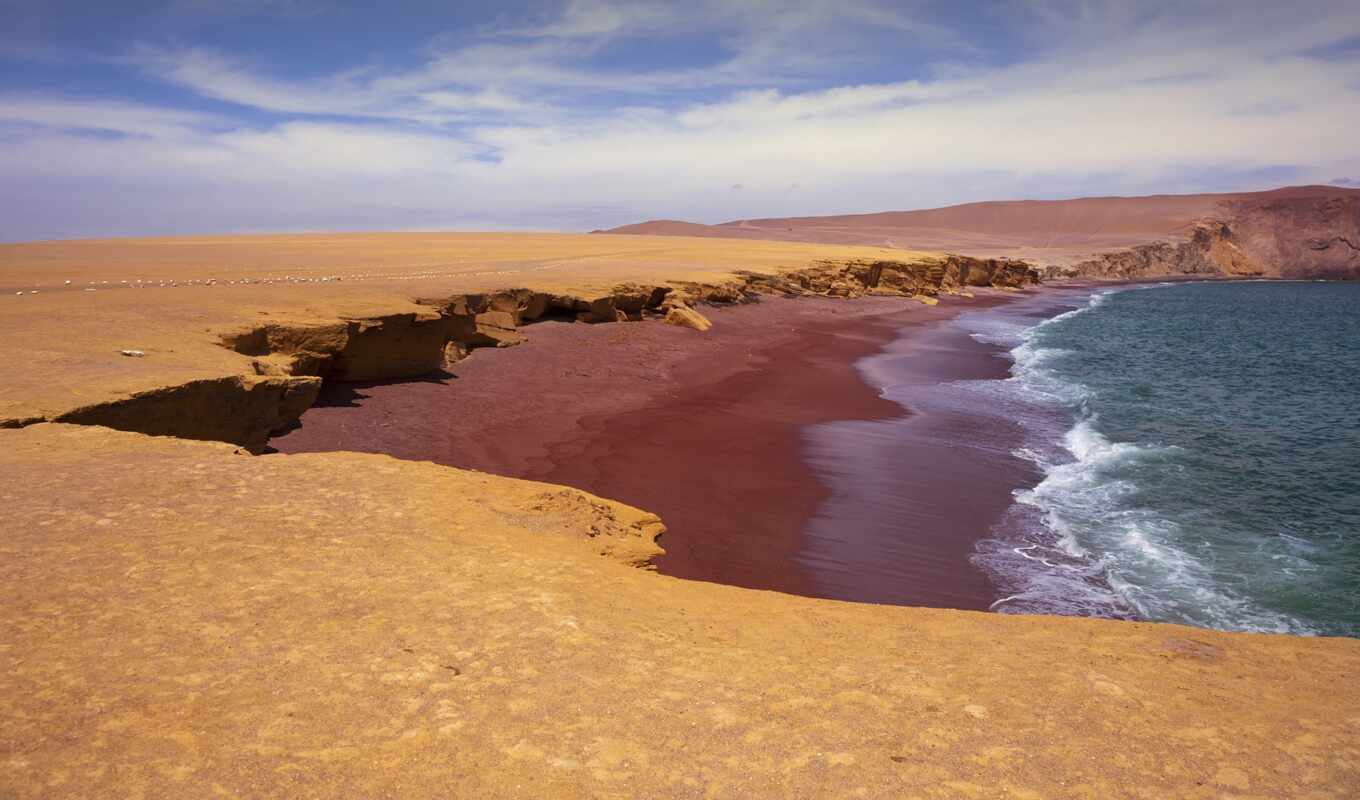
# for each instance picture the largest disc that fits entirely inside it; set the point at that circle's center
(96, 115)
(495, 132)
(527, 68)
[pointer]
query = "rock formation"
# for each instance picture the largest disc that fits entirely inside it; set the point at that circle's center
(1290, 235)
(288, 362)
(1300, 236)
(685, 317)
(1294, 233)
(1211, 251)
(243, 410)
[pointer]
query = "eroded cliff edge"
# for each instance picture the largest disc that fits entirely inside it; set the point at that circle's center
(279, 364)
(287, 362)
(1299, 236)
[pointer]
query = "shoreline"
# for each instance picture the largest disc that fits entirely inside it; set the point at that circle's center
(664, 419)
(913, 493)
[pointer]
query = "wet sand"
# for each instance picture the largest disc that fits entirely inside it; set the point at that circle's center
(713, 432)
(912, 494)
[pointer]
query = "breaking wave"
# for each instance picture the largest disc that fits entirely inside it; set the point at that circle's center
(1088, 539)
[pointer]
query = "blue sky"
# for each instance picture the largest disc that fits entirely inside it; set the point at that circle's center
(182, 116)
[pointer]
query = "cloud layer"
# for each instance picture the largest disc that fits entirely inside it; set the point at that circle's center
(597, 113)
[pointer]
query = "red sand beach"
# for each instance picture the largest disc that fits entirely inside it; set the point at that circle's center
(710, 431)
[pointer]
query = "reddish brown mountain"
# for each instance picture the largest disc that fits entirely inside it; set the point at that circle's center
(1300, 231)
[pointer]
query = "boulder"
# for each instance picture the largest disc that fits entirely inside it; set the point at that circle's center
(686, 317)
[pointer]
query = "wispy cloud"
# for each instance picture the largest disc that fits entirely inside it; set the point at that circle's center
(104, 116)
(516, 68)
(573, 118)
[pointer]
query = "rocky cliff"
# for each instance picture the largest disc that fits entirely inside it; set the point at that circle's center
(1210, 251)
(288, 362)
(1301, 235)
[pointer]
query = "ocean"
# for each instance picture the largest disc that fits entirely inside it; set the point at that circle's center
(1197, 447)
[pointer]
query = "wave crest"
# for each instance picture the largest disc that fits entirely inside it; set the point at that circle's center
(1080, 542)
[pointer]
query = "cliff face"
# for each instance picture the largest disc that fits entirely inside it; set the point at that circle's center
(1211, 250)
(288, 362)
(1300, 237)
(1277, 236)
(1304, 233)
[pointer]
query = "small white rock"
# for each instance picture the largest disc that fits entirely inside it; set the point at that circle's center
(133, 353)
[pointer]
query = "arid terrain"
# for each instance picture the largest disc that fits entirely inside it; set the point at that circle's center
(183, 618)
(1296, 232)
(176, 300)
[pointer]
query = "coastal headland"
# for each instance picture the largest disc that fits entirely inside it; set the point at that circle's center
(185, 618)
(1293, 232)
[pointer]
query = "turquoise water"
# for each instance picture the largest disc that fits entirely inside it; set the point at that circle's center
(1200, 447)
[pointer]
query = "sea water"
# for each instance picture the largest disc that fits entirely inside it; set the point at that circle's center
(1199, 447)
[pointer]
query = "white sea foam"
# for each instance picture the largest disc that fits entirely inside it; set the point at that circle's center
(1075, 543)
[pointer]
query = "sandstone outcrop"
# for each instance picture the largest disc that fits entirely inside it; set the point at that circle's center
(615, 531)
(926, 276)
(288, 361)
(397, 346)
(335, 306)
(1287, 234)
(1212, 250)
(686, 317)
(1300, 236)
(241, 410)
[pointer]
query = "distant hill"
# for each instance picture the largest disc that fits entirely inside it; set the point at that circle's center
(1280, 231)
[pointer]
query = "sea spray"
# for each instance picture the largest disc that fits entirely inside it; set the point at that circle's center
(1193, 442)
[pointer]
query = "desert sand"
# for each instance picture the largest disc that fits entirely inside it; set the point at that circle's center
(184, 619)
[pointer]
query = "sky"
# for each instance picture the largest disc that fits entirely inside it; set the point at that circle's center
(151, 117)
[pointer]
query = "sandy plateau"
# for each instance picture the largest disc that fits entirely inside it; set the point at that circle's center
(183, 619)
